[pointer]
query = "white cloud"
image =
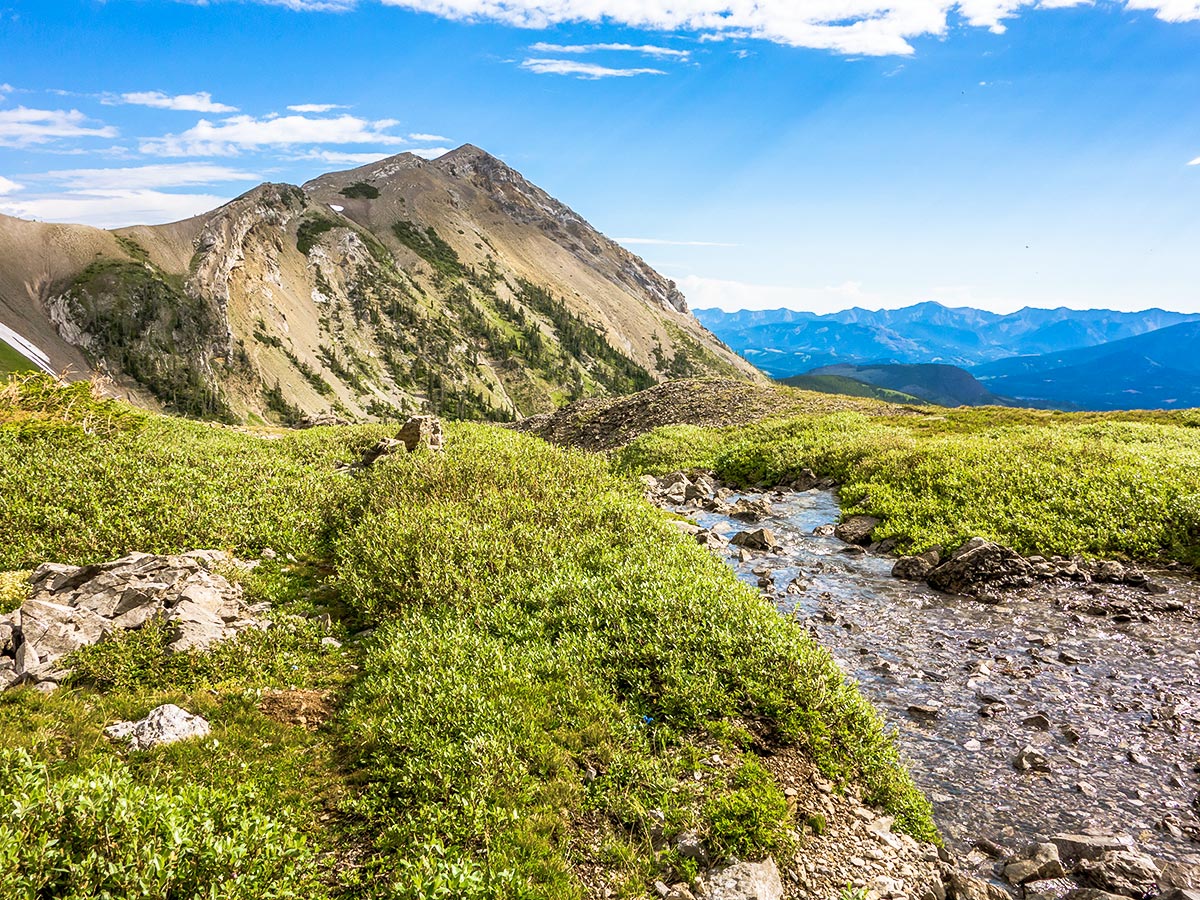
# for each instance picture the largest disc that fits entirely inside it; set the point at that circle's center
(1195, 162)
(149, 177)
(1169, 10)
(21, 127)
(333, 157)
(5, 89)
(430, 152)
(425, 138)
(854, 27)
(582, 70)
(661, 242)
(644, 49)
(8, 186)
(715, 293)
(230, 136)
(112, 209)
(316, 107)
(201, 102)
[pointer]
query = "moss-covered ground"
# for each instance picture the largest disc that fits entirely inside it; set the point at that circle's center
(538, 676)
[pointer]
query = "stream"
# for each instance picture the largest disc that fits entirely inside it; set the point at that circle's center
(1109, 707)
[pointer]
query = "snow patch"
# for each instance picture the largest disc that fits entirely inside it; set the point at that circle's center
(336, 208)
(25, 348)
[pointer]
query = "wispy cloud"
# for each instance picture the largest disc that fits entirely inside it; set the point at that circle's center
(339, 158)
(662, 242)
(112, 209)
(201, 102)
(149, 177)
(8, 186)
(430, 152)
(1195, 162)
(316, 107)
(644, 49)
(231, 136)
(853, 27)
(426, 138)
(584, 70)
(22, 127)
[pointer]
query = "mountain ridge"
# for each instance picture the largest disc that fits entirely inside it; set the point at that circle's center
(452, 285)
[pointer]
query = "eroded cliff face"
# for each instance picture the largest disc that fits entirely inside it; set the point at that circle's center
(454, 286)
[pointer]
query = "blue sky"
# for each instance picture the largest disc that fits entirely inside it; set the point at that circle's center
(817, 154)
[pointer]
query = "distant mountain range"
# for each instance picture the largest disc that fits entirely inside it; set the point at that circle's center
(1055, 358)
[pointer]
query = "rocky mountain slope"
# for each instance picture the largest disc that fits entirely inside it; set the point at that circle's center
(453, 285)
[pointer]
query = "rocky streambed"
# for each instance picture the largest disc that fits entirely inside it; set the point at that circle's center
(1047, 707)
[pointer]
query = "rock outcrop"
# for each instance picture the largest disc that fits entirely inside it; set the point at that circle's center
(166, 724)
(71, 607)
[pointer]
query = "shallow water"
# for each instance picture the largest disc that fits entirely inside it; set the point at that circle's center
(1122, 700)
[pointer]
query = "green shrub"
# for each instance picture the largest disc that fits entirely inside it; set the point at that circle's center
(751, 817)
(97, 833)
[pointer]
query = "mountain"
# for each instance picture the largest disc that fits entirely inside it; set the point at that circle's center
(454, 285)
(846, 386)
(787, 342)
(939, 384)
(1159, 370)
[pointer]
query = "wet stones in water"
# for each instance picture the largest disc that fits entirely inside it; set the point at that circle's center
(856, 529)
(980, 566)
(1030, 759)
(760, 539)
(925, 711)
(916, 568)
(750, 510)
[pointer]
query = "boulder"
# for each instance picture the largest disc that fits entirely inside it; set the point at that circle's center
(916, 568)
(745, 881)
(980, 566)
(760, 539)
(72, 607)
(856, 529)
(805, 481)
(1074, 847)
(961, 886)
(1030, 759)
(1038, 863)
(1125, 872)
(422, 431)
(163, 725)
(750, 510)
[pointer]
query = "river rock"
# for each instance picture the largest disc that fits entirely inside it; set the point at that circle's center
(1074, 847)
(961, 886)
(916, 568)
(856, 529)
(1037, 863)
(163, 725)
(760, 539)
(1030, 759)
(745, 881)
(805, 481)
(979, 566)
(1124, 872)
(750, 510)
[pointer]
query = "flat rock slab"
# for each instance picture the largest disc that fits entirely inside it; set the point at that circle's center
(166, 724)
(745, 881)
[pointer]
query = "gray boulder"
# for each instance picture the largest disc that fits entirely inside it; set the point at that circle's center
(745, 881)
(760, 539)
(980, 566)
(1038, 863)
(916, 568)
(856, 529)
(1125, 872)
(163, 725)
(1074, 847)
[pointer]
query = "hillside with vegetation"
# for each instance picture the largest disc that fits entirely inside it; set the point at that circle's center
(532, 674)
(364, 295)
